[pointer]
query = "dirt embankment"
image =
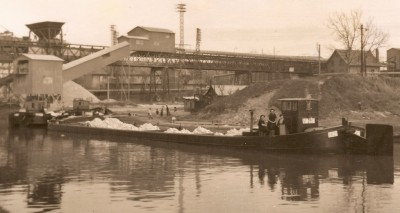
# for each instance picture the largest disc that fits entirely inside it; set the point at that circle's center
(359, 99)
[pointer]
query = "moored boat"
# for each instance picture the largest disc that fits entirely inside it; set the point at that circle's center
(303, 134)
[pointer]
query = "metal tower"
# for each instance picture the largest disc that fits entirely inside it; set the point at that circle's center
(181, 8)
(49, 36)
(114, 35)
(198, 39)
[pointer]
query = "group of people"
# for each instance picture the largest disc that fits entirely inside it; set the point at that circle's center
(161, 112)
(273, 125)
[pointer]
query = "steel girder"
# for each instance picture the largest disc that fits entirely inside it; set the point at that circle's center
(9, 49)
(217, 62)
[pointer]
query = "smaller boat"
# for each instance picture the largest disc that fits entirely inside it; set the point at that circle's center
(33, 114)
(35, 111)
(304, 135)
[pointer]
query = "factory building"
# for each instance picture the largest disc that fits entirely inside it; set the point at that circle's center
(150, 39)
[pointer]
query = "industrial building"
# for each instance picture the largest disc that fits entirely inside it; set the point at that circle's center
(150, 39)
(155, 67)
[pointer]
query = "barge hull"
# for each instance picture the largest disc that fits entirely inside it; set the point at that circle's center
(330, 140)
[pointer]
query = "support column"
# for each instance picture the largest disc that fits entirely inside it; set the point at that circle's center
(249, 77)
(165, 83)
(153, 83)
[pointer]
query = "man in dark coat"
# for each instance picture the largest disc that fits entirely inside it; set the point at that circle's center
(271, 125)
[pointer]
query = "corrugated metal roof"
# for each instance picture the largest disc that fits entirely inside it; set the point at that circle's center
(42, 57)
(154, 29)
(135, 37)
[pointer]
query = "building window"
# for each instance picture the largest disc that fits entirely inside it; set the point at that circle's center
(156, 43)
(22, 67)
(286, 106)
(294, 106)
(291, 69)
(167, 36)
(139, 42)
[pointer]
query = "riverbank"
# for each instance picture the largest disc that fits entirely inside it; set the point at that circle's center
(359, 99)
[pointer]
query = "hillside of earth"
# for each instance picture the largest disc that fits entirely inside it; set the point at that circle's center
(359, 99)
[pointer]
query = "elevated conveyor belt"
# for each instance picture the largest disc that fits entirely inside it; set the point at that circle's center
(95, 61)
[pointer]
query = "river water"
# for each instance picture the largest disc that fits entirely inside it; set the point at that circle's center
(43, 171)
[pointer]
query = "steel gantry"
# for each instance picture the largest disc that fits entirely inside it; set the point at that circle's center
(222, 61)
(10, 49)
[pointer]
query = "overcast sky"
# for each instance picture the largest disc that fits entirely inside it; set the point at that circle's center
(291, 27)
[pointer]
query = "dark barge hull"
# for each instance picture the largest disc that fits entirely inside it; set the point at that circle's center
(340, 139)
(24, 119)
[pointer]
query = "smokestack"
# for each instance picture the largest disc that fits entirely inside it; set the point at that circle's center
(377, 54)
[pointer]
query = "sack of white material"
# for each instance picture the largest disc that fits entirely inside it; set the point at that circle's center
(234, 132)
(114, 123)
(175, 130)
(200, 130)
(111, 123)
(148, 126)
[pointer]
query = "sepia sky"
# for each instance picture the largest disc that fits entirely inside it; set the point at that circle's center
(290, 27)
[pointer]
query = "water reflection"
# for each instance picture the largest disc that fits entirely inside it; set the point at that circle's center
(299, 176)
(52, 171)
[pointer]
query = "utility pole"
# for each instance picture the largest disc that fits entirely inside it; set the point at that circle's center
(319, 59)
(362, 51)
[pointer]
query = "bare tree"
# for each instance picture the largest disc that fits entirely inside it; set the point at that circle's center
(374, 37)
(346, 28)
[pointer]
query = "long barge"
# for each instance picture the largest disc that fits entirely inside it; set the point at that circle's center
(304, 134)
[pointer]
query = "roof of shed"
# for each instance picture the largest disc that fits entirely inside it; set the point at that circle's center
(353, 57)
(154, 29)
(135, 37)
(42, 57)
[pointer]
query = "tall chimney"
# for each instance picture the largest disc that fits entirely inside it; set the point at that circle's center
(377, 54)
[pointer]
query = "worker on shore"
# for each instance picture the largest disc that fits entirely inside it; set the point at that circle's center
(162, 111)
(157, 112)
(150, 114)
(271, 125)
(166, 108)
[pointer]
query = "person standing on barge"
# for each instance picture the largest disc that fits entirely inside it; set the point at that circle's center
(262, 126)
(271, 125)
(281, 125)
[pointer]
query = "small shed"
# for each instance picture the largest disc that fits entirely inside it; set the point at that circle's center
(38, 74)
(190, 103)
(198, 100)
